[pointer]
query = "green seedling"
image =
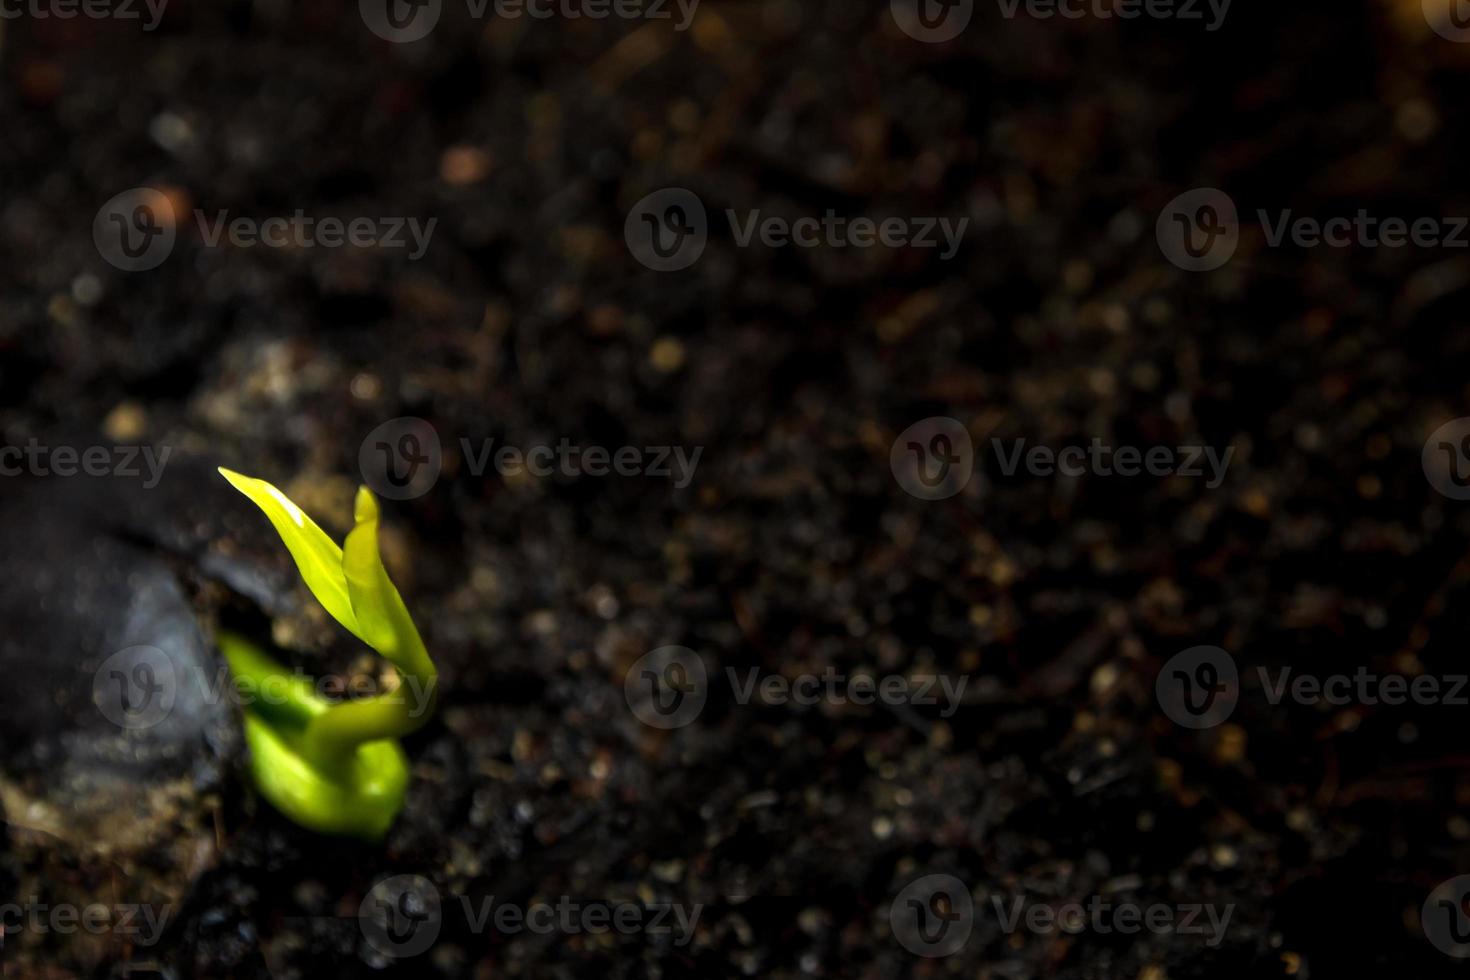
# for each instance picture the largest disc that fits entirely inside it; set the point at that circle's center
(333, 767)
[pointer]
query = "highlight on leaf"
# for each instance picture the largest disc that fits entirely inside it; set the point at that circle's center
(334, 767)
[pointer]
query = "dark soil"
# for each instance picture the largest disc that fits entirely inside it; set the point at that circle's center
(793, 549)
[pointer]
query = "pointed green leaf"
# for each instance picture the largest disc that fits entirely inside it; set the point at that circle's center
(317, 556)
(368, 587)
(384, 620)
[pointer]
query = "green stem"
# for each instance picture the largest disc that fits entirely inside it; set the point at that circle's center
(277, 695)
(342, 727)
(329, 733)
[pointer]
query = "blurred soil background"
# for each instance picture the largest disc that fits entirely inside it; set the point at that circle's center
(794, 548)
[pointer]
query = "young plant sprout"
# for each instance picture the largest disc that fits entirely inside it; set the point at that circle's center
(332, 767)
